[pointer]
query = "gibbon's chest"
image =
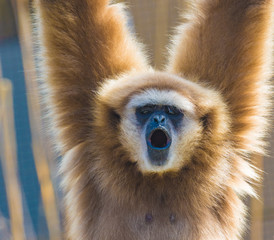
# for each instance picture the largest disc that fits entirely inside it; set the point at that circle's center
(158, 222)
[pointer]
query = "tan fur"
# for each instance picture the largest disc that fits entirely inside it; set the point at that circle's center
(220, 62)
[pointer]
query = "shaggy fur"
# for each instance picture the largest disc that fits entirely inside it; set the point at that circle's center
(219, 72)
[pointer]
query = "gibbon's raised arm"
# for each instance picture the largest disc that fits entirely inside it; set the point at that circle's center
(85, 41)
(226, 44)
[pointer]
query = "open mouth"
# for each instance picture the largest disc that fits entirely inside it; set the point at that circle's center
(159, 139)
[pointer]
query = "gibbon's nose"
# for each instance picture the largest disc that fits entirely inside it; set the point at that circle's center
(159, 119)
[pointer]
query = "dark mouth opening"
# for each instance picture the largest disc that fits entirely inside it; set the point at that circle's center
(159, 139)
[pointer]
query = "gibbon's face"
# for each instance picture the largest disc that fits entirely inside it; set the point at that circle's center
(160, 120)
(160, 129)
(159, 123)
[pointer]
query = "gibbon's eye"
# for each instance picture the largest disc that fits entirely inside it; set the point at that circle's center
(145, 110)
(171, 110)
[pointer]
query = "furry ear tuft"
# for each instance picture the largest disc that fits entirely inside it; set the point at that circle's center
(114, 118)
(206, 121)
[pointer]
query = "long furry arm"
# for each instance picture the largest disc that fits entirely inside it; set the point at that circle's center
(84, 42)
(226, 44)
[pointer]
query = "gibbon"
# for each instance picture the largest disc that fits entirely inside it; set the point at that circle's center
(148, 154)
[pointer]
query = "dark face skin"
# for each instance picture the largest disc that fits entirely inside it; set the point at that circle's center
(159, 121)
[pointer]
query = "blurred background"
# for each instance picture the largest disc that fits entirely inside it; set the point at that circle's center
(30, 199)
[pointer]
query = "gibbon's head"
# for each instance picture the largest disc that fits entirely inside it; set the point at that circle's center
(158, 121)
